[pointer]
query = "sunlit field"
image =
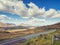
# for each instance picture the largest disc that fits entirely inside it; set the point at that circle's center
(10, 34)
(40, 40)
(46, 39)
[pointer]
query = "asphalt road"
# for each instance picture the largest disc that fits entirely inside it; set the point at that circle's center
(24, 38)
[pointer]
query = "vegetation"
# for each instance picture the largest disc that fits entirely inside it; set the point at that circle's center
(9, 34)
(42, 40)
(56, 42)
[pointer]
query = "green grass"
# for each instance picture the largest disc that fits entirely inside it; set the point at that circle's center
(44, 40)
(57, 42)
(41, 40)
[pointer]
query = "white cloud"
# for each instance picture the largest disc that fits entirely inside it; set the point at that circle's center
(56, 15)
(4, 17)
(14, 6)
(19, 8)
(49, 12)
(52, 13)
(34, 10)
(35, 22)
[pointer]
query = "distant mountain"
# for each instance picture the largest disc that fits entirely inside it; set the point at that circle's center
(2, 24)
(53, 26)
(10, 24)
(57, 25)
(22, 24)
(6, 24)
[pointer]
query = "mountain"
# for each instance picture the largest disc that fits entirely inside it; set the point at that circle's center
(6, 24)
(53, 26)
(10, 25)
(2, 24)
(22, 24)
(57, 25)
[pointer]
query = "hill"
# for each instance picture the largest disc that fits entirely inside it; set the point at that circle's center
(6, 24)
(53, 26)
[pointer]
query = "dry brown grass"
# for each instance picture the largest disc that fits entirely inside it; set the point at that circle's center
(8, 34)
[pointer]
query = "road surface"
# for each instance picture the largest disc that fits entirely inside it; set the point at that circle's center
(24, 38)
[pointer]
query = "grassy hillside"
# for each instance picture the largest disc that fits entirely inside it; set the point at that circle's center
(42, 40)
(9, 34)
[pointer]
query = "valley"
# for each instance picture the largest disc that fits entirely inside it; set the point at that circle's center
(20, 31)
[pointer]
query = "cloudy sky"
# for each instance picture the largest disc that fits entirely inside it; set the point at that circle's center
(30, 12)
